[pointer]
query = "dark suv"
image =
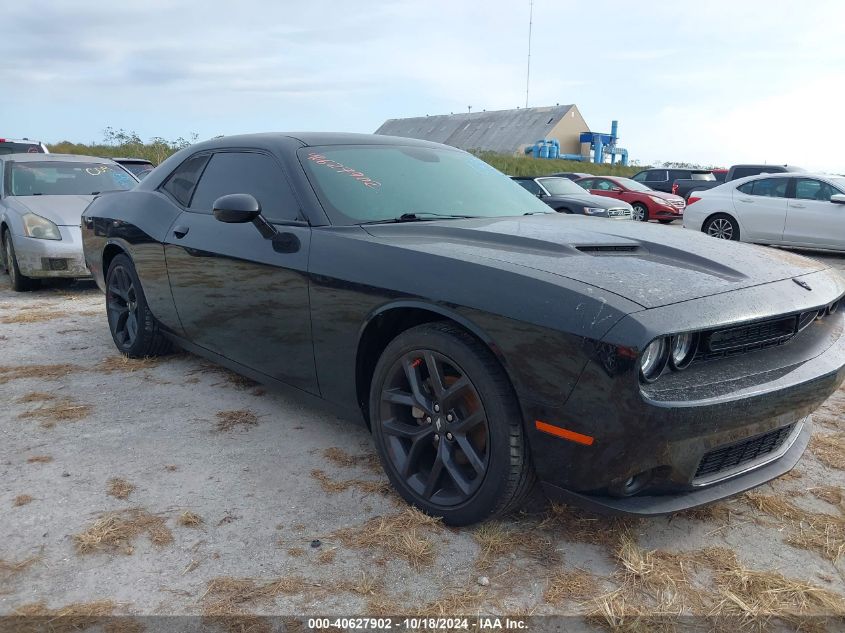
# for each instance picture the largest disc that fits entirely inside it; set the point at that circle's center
(662, 179)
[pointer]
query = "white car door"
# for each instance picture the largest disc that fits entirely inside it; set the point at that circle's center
(812, 219)
(761, 207)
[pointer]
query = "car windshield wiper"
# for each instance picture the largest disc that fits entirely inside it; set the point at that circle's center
(419, 217)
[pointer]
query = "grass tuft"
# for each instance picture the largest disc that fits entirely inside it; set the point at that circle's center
(41, 372)
(829, 450)
(120, 488)
(576, 585)
(115, 532)
(189, 519)
(22, 500)
(341, 458)
(9, 568)
(333, 486)
(54, 410)
(123, 363)
(228, 420)
(73, 617)
(39, 459)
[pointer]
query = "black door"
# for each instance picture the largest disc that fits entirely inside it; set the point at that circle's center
(238, 293)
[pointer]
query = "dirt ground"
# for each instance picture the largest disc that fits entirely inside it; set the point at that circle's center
(171, 486)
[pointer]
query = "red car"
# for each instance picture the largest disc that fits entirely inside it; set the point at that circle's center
(648, 204)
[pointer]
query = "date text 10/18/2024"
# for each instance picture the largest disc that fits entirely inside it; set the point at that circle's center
(411, 624)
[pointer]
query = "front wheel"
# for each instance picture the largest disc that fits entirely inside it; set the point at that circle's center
(20, 282)
(133, 327)
(665, 221)
(722, 227)
(640, 212)
(447, 425)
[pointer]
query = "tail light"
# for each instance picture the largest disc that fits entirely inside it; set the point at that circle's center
(675, 188)
(692, 199)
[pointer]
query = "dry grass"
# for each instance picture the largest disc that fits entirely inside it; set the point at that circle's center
(41, 372)
(829, 494)
(9, 568)
(718, 512)
(232, 378)
(120, 488)
(35, 314)
(497, 540)
(402, 535)
(189, 519)
(115, 532)
(123, 363)
(829, 450)
(228, 420)
(333, 486)
(815, 531)
(582, 527)
(577, 585)
(226, 596)
(22, 500)
(73, 617)
(296, 552)
(341, 458)
(327, 556)
(454, 602)
(54, 410)
(36, 396)
(39, 459)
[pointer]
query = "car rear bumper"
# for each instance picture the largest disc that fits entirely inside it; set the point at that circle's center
(40, 259)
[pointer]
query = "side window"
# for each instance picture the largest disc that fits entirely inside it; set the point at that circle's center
(640, 177)
(531, 186)
(811, 189)
(603, 185)
(656, 175)
(247, 172)
(587, 183)
(182, 181)
(746, 188)
(770, 187)
(676, 174)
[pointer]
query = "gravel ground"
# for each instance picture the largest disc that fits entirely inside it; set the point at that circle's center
(175, 487)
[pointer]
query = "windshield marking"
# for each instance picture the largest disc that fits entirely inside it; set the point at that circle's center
(343, 169)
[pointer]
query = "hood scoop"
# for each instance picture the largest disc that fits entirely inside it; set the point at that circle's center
(609, 249)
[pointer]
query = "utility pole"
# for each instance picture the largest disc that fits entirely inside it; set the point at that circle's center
(528, 71)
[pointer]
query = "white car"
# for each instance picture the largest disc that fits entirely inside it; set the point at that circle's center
(800, 210)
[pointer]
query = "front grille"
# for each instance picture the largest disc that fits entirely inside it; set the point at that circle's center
(747, 337)
(680, 204)
(735, 455)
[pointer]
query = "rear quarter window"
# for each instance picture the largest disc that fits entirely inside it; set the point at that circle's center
(181, 183)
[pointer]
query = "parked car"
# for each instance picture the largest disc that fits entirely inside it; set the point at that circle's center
(800, 210)
(42, 197)
(22, 146)
(483, 338)
(663, 179)
(140, 167)
(719, 174)
(647, 203)
(686, 187)
(572, 175)
(564, 196)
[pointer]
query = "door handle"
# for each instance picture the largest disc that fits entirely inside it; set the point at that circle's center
(746, 200)
(181, 231)
(796, 206)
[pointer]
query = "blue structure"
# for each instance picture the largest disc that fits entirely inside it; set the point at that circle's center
(601, 146)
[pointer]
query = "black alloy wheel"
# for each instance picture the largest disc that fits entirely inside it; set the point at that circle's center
(447, 426)
(133, 327)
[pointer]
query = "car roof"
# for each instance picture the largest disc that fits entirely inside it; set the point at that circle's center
(781, 174)
(306, 139)
(121, 159)
(61, 158)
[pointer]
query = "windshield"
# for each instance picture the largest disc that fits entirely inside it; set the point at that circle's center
(10, 147)
(139, 169)
(839, 183)
(561, 187)
(633, 185)
(700, 175)
(55, 178)
(369, 183)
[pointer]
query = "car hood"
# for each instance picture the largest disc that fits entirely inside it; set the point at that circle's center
(663, 195)
(588, 200)
(60, 210)
(648, 264)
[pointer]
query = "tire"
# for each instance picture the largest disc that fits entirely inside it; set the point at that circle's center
(20, 282)
(564, 210)
(640, 213)
(666, 221)
(457, 450)
(721, 226)
(134, 329)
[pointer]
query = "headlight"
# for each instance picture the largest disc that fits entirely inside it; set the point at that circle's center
(660, 201)
(653, 359)
(682, 350)
(594, 211)
(42, 228)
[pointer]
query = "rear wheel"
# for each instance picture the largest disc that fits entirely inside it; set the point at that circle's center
(640, 212)
(133, 327)
(722, 227)
(447, 425)
(20, 282)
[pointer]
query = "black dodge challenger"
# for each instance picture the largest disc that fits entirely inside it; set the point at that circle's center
(484, 339)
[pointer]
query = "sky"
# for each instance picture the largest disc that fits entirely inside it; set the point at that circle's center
(710, 82)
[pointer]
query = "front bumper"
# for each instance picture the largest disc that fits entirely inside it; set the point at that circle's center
(660, 434)
(41, 259)
(667, 213)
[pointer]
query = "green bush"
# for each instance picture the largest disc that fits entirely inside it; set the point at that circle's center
(530, 166)
(125, 144)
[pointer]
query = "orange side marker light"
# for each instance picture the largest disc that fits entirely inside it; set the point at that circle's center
(572, 436)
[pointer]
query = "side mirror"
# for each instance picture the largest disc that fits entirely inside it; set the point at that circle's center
(616, 189)
(236, 208)
(540, 194)
(838, 198)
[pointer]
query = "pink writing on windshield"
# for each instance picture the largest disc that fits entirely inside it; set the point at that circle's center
(343, 169)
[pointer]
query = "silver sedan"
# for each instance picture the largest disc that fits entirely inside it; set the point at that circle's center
(791, 209)
(42, 197)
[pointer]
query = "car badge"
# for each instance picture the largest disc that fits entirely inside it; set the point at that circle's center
(802, 283)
